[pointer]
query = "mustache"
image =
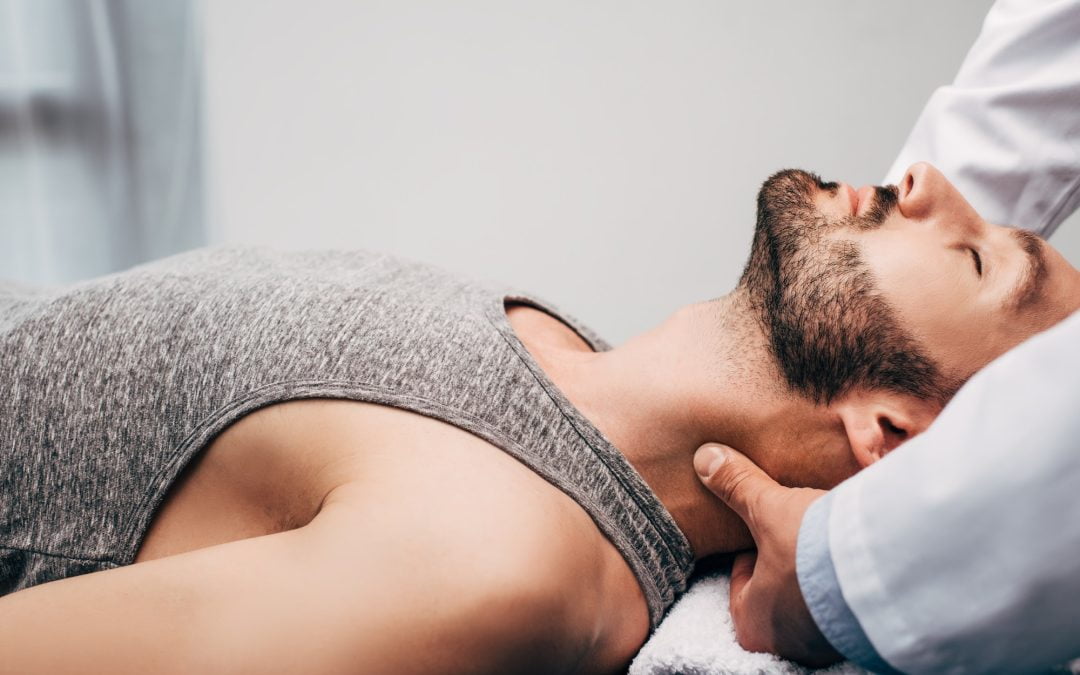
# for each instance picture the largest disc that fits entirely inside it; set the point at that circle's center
(886, 198)
(786, 211)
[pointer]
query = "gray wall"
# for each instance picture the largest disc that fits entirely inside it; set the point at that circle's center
(602, 154)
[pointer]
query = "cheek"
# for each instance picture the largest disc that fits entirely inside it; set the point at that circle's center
(921, 290)
(932, 294)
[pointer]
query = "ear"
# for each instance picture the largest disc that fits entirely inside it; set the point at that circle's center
(878, 421)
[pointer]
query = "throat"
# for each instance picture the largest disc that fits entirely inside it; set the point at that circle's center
(644, 397)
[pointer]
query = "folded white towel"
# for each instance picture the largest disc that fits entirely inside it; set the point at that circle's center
(697, 638)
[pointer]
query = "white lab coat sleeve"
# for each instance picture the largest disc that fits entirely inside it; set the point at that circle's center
(1006, 132)
(960, 550)
(821, 591)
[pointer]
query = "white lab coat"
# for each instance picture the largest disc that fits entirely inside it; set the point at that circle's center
(960, 551)
(1007, 131)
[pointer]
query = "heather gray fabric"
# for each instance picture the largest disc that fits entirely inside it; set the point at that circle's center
(111, 386)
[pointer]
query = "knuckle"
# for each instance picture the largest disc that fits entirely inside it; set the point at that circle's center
(749, 639)
(736, 484)
(756, 505)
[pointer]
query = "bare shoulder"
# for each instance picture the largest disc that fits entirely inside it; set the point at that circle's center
(472, 526)
(483, 551)
(471, 589)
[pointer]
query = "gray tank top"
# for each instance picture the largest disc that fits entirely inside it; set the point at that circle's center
(111, 386)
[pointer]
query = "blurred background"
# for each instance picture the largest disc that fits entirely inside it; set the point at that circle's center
(602, 154)
(102, 145)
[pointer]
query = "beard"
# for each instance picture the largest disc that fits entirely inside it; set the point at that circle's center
(828, 327)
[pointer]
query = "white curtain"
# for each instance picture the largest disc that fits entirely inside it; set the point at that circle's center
(100, 135)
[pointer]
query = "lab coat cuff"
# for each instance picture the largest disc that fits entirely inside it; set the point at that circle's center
(821, 591)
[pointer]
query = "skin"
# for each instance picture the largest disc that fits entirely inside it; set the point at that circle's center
(364, 544)
(923, 259)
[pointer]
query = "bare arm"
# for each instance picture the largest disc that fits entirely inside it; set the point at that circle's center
(346, 593)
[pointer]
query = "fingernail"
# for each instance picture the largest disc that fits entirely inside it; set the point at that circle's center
(708, 459)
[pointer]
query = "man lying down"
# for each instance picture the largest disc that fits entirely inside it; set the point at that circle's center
(249, 461)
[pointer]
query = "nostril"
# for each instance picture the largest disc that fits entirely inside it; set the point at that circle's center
(909, 182)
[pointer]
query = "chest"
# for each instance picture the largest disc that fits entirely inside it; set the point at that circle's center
(270, 471)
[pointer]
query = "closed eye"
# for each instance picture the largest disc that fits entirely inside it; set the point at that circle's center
(978, 261)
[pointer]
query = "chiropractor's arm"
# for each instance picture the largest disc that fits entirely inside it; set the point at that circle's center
(1006, 132)
(959, 551)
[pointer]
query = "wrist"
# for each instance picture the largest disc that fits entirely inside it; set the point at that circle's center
(823, 595)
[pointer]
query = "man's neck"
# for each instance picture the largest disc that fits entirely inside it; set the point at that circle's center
(700, 376)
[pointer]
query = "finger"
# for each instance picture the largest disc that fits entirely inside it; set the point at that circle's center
(742, 570)
(743, 619)
(733, 478)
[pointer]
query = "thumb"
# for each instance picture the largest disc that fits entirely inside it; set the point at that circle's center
(732, 477)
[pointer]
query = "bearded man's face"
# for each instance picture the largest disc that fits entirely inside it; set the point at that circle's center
(829, 327)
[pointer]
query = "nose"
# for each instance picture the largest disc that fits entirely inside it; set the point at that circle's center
(924, 192)
(919, 189)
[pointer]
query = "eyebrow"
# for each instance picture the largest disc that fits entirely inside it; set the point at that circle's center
(1030, 285)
